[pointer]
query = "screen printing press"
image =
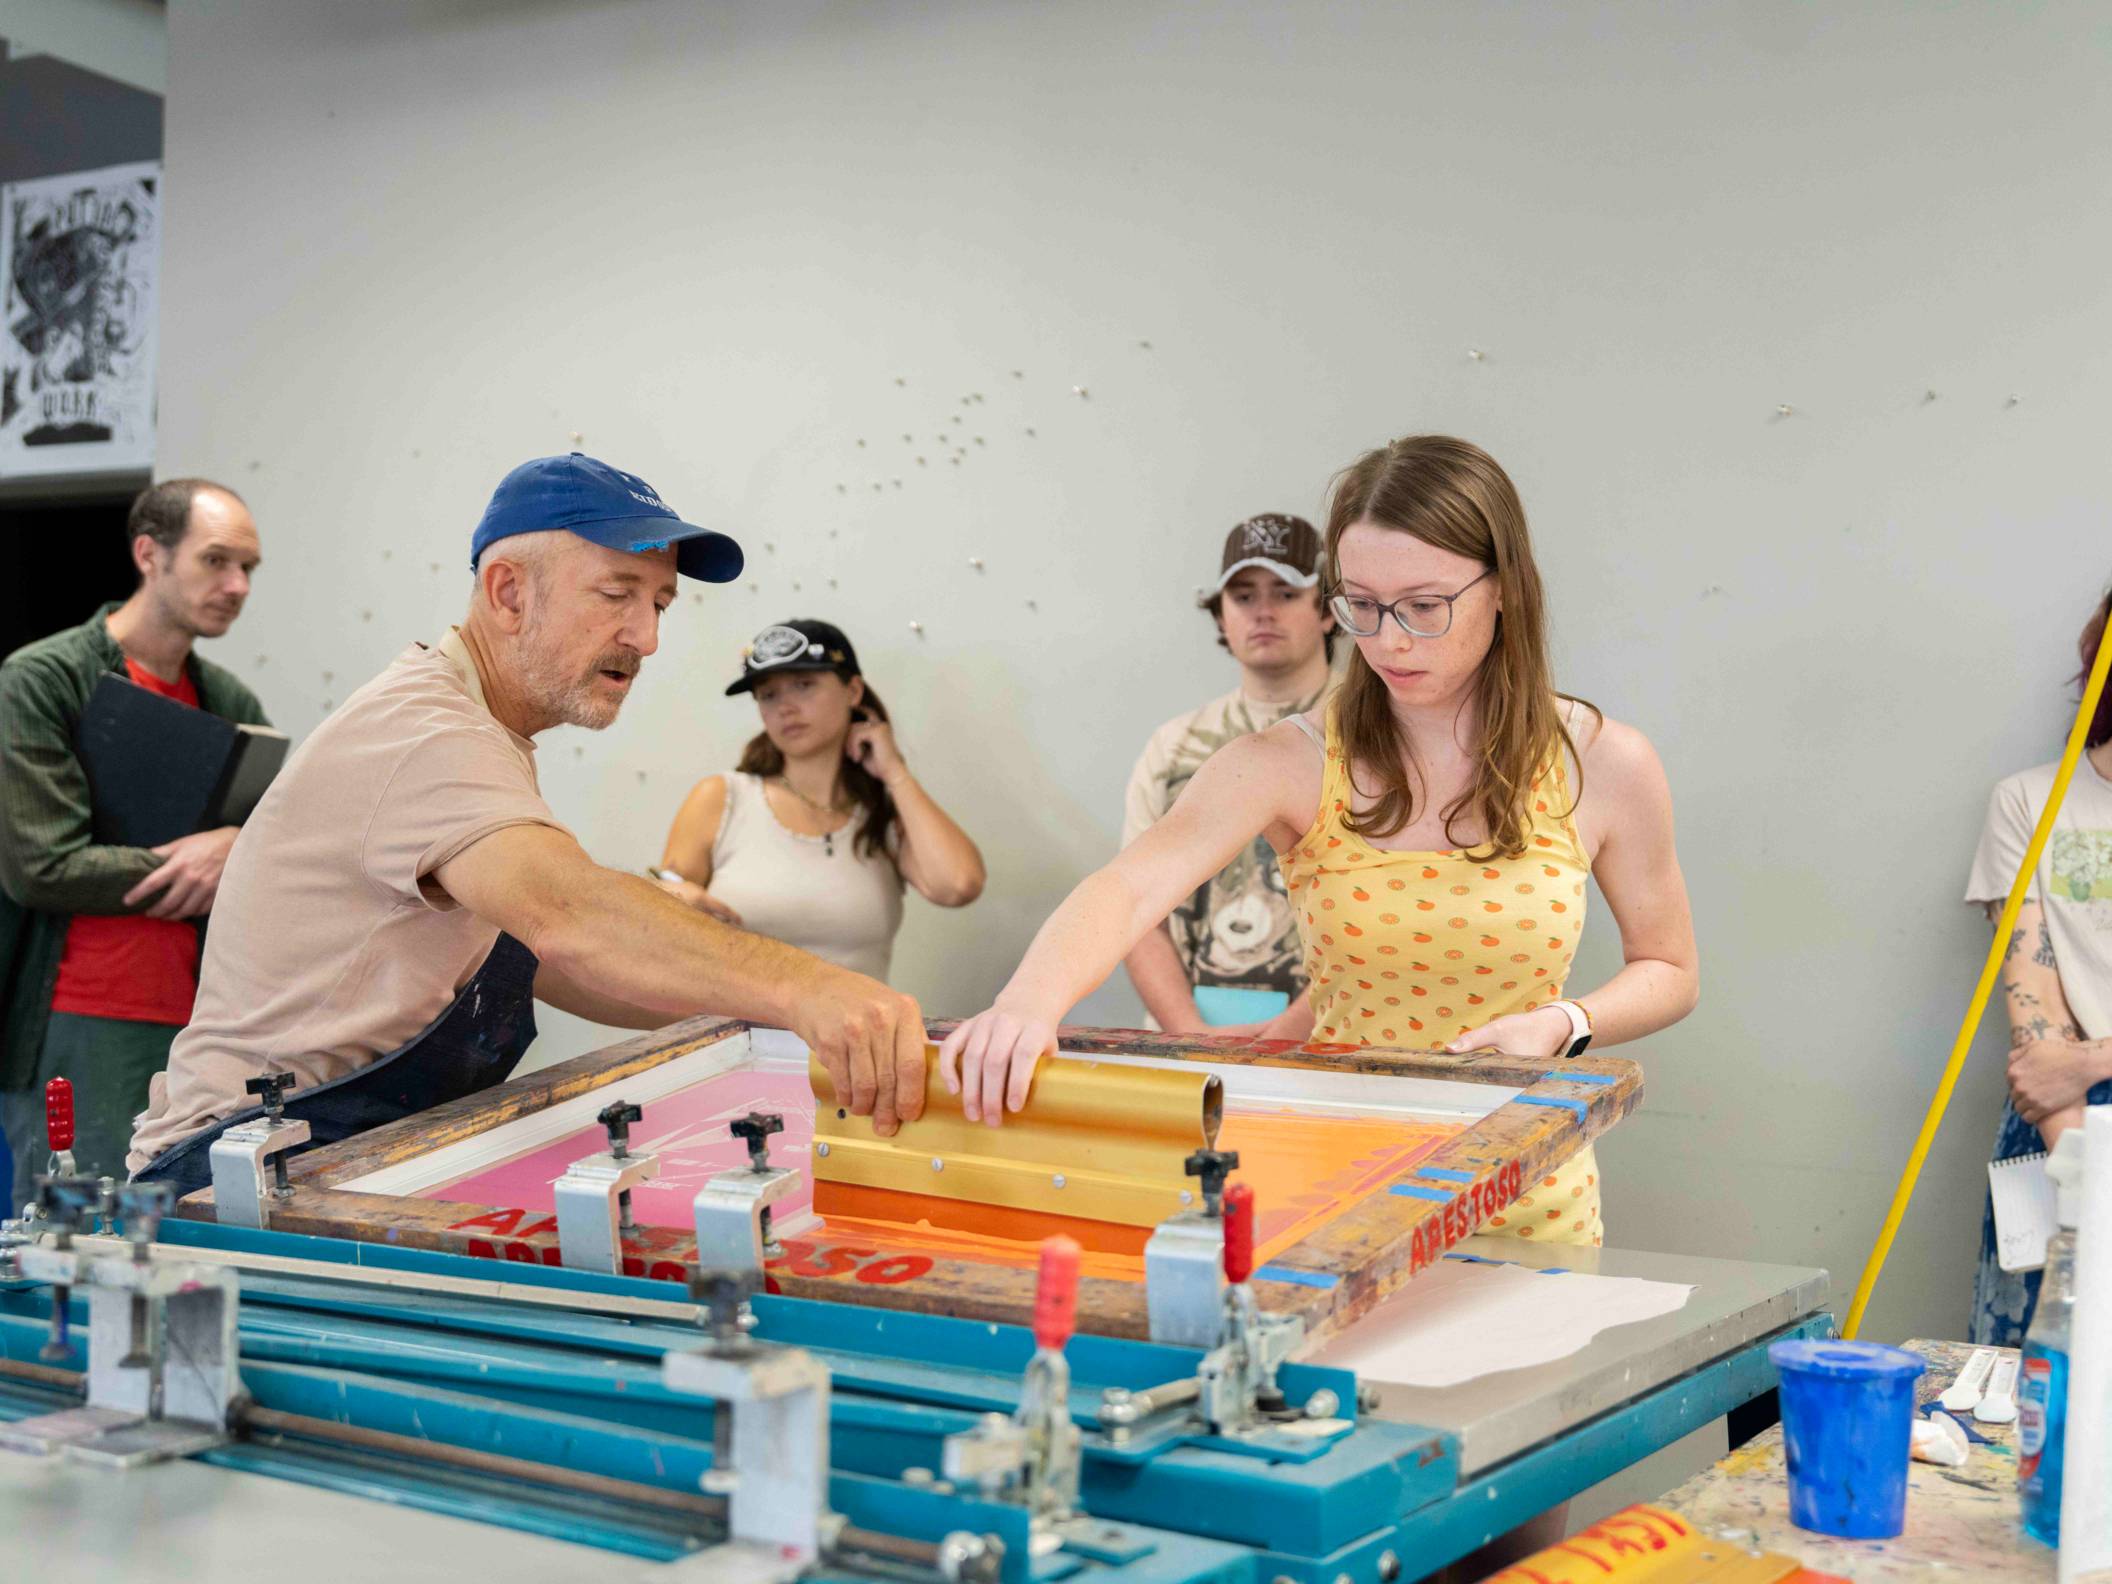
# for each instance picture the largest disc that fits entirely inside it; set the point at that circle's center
(668, 1303)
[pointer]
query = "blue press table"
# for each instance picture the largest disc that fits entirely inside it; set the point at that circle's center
(1525, 1439)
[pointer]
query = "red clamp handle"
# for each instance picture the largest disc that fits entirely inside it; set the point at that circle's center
(1056, 1293)
(58, 1113)
(1239, 1233)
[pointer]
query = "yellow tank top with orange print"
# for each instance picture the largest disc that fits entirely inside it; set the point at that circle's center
(1414, 949)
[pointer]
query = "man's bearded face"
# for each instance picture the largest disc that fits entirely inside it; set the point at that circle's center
(566, 688)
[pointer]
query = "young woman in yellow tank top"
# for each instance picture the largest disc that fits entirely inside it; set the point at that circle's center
(1435, 830)
(1417, 948)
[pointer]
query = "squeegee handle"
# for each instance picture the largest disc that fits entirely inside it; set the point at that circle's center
(1239, 1233)
(58, 1114)
(1056, 1293)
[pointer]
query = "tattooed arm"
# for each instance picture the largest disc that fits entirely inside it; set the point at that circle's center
(2051, 1065)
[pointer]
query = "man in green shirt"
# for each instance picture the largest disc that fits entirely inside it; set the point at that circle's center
(99, 944)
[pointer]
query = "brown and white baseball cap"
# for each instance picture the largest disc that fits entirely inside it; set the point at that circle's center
(1274, 541)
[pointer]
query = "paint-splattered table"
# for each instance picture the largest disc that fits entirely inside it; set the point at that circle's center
(1961, 1523)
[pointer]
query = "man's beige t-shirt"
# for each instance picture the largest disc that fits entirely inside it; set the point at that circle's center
(328, 945)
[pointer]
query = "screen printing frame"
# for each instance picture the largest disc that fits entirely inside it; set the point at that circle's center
(1548, 1111)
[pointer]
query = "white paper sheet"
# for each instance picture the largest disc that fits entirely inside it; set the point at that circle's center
(1468, 1318)
(2086, 1488)
(2024, 1211)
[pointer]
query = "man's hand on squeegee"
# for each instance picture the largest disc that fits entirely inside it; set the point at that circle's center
(871, 1041)
(617, 948)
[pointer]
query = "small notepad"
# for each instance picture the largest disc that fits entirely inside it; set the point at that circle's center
(2024, 1211)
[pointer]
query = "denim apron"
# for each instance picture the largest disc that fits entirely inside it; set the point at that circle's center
(2004, 1301)
(472, 1045)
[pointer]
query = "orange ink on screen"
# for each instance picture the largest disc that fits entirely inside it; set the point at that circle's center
(1305, 1171)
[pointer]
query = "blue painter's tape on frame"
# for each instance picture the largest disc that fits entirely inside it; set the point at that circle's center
(1483, 1259)
(1444, 1174)
(1418, 1191)
(1285, 1273)
(1601, 1079)
(1582, 1110)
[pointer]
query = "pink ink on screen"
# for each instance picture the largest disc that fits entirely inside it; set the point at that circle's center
(686, 1129)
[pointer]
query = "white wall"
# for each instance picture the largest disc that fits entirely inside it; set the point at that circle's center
(122, 39)
(411, 244)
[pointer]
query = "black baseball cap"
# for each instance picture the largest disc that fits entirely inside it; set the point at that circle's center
(800, 645)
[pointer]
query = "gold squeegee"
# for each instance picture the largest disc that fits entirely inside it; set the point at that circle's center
(1096, 1142)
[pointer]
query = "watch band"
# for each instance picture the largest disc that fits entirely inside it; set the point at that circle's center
(1579, 1027)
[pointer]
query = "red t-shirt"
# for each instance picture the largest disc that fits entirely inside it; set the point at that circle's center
(141, 970)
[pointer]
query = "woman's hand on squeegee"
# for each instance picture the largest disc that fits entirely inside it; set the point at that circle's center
(1238, 793)
(989, 1060)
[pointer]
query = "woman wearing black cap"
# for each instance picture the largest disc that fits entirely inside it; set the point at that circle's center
(814, 835)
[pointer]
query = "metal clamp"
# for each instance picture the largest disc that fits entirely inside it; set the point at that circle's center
(1184, 1261)
(770, 1423)
(64, 1208)
(142, 1312)
(593, 1197)
(58, 1126)
(33, 1223)
(732, 1209)
(1033, 1457)
(1238, 1377)
(241, 1196)
(1233, 1395)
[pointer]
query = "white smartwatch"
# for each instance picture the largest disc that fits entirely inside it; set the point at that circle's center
(1579, 1027)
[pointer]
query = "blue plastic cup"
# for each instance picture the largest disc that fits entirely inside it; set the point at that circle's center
(1848, 1417)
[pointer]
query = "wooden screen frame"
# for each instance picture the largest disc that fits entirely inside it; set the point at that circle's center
(1331, 1278)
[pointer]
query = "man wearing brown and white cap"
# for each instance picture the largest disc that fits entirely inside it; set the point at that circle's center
(1229, 958)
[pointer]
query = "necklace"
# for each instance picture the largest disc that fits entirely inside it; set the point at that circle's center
(824, 810)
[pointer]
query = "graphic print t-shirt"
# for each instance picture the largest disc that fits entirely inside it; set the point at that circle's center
(2073, 881)
(1237, 930)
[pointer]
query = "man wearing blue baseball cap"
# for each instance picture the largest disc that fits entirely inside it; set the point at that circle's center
(403, 895)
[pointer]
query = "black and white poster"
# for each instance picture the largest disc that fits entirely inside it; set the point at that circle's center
(79, 256)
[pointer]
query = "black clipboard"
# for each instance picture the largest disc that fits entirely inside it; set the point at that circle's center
(158, 769)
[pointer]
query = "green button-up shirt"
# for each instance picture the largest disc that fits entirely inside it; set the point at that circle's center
(51, 866)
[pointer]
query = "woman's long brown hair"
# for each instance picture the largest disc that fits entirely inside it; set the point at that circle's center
(2093, 635)
(1451, 494)
(869, 795)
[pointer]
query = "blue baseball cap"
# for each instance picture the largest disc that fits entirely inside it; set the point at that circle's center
(604, 505)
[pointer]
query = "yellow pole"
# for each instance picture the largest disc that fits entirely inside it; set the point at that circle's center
(1989, 972)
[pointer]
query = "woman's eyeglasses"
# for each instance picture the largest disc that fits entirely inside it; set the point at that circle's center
(1418, 615)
